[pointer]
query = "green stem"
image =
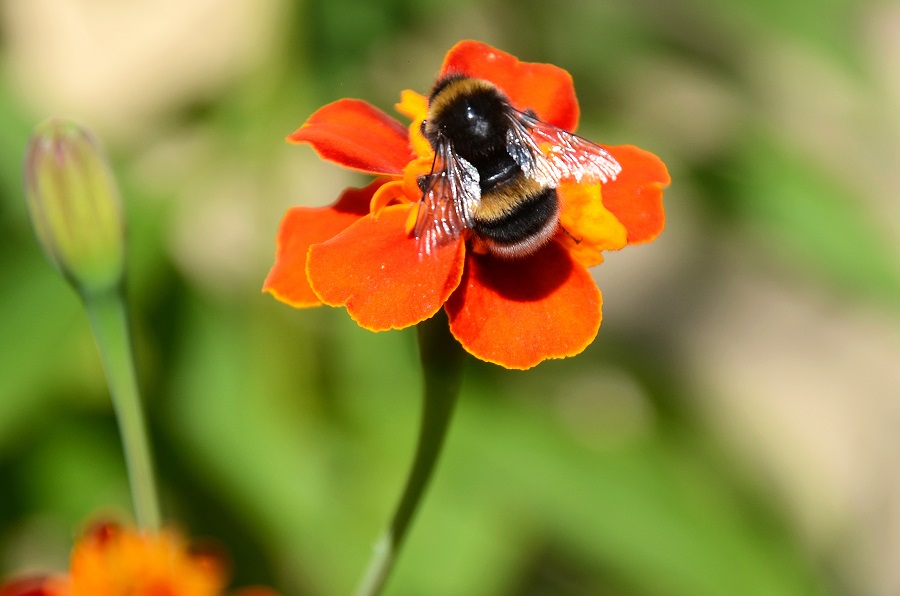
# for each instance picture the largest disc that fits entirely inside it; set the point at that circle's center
(442, 359)
(110, 325)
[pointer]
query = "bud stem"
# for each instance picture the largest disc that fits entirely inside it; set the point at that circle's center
(442, 359)
(110, 326)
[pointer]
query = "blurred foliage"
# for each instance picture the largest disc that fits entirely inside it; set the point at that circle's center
(286, 434)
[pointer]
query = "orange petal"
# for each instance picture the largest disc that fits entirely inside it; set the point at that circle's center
(412, 105)
(588, 227)
(375, 270)
(388, 194)
(519, 313)
(415, 169)
(635, 197)
(544, 88)
(301, 228)
(356, 135)
(402, 191)
(415, 107)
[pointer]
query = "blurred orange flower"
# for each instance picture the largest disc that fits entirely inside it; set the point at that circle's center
(112, 561)
(360, 252)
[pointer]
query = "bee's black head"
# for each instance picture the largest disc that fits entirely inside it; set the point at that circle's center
(471, 113)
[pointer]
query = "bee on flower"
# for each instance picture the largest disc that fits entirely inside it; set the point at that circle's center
(487, 205)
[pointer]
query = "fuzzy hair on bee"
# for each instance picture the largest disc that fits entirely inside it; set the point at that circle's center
(496, 170)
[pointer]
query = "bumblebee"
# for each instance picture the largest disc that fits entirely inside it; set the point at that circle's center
(496, 170)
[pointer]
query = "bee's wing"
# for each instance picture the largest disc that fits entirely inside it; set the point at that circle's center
(548, 154)
(450, 195)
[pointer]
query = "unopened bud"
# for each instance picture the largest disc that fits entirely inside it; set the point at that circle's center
(74, 205)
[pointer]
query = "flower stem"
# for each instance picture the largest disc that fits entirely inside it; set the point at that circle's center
(110, 326)
(442, 359)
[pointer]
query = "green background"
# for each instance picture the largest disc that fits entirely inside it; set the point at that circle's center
(732, 430)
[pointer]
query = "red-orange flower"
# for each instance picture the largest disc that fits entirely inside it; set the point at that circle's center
(360, 252)
(113, 561)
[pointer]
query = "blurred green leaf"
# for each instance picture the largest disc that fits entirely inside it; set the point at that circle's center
(801, 212)
(250, 441)
(78, 473)
(37, 318)
(16, 130)
(821, 24)
(647, 512)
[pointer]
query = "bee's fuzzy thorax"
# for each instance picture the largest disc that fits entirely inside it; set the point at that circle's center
(453, 86)
(468, 112)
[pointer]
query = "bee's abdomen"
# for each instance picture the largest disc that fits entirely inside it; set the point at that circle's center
(517, 228)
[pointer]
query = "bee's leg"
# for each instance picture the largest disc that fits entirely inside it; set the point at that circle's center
(424, 181)
(569, 234)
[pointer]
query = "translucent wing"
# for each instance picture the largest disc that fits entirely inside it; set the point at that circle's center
(548, 154)
(450, 195)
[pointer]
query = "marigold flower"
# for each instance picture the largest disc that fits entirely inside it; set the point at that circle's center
(112, 561)
(360, 252)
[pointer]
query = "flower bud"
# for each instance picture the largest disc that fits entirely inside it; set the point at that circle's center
(74, 205)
